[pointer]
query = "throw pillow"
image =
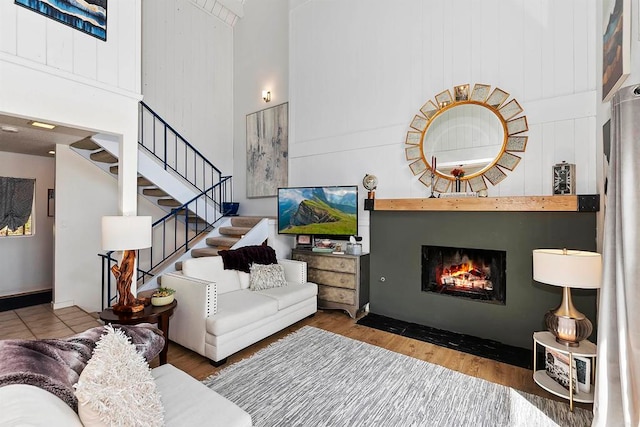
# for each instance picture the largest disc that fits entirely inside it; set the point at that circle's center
(266, 277)
(116, 387)
(56, 364)
(242, 258)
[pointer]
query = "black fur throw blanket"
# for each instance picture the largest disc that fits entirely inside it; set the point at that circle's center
(242, 258)
(55, 365)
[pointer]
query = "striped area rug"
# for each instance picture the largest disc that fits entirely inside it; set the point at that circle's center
(317, 378)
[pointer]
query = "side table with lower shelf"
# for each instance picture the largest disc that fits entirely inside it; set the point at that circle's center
(150, 314)
(342, 279)
(585, 349)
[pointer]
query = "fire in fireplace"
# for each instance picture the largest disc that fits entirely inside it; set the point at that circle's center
(478, 274)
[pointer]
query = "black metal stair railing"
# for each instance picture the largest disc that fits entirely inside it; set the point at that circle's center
(165, 143)
(175, 231)
(172, 234)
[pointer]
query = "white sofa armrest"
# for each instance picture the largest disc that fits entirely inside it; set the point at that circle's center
(294, 271)
(197, 300)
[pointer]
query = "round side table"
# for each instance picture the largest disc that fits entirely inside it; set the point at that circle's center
(150, 314)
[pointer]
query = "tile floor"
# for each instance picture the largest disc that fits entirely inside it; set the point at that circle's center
(41, 321)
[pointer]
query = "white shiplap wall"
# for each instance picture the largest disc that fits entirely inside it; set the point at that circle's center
(187, 69)
(360, 70)
(54, 73)
(33, 40)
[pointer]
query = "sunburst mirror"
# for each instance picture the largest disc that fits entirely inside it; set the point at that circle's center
(467, 138)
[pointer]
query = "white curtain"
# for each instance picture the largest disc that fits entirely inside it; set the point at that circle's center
(617, 398)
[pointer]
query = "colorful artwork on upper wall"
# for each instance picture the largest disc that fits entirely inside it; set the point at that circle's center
(616, 46)
(88, 16)
(267, 151)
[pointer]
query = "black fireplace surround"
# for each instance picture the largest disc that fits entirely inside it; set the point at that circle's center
(397, 238)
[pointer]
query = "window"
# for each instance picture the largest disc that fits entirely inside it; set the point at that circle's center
(16, 206)
(24, 230)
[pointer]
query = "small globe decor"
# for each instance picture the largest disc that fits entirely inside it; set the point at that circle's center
(162, 296)
(370, 182)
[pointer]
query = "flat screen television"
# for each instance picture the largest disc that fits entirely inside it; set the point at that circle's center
(318, 211)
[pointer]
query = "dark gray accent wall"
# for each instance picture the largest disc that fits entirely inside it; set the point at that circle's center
(396, 241)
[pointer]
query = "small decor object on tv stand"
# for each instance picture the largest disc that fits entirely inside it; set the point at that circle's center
(354, 247)
(324, 245)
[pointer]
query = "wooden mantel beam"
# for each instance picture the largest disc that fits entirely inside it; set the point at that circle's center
(572, 203)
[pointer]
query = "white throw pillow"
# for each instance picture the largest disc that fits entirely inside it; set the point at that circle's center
(266, 277)
(116, 387)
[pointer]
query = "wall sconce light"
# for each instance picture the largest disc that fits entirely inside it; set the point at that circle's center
(266, 95)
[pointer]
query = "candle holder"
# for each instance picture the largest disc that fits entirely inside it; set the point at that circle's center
(433, 182)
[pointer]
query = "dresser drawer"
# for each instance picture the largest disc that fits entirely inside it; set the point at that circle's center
(331, 294)
(343, 265)
(331, 278)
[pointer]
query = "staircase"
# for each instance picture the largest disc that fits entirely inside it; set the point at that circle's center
(108, 162)
(192, 193)
(228, 237)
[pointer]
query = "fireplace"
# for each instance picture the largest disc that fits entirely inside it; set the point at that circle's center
(478, 274)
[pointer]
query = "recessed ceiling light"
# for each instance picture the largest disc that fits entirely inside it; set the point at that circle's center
(52, 152)
(10, 129)
(42, 125)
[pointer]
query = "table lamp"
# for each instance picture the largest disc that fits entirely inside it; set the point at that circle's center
(127, 234)
(568, 269)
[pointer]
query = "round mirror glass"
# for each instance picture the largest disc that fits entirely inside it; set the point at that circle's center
(465, 136)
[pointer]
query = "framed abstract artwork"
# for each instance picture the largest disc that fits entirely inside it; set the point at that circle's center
(616, 46)
(88, 16)
(267, 151)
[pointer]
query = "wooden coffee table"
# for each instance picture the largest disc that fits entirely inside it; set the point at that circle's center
(150, 314)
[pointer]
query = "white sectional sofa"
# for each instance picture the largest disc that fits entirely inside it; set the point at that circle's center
(218, 315)
(186, 402)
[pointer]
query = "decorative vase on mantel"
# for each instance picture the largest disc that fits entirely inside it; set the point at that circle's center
(457, 184)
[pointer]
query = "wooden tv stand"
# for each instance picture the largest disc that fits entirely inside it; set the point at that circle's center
(343, 280)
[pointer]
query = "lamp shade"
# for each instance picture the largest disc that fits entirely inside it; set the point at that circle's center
(122, 233)
(568, 268)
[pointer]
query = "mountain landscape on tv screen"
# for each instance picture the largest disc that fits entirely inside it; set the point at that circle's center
(327, 210)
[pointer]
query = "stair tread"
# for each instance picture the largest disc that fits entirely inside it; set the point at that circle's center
(234, 231)
(178, 266)
(169, 202)
(103, 157)
(86, 144)
(144, 182)
(245, 221)
(203, 252)
(154, 192)
(114, 169)
(222, 241)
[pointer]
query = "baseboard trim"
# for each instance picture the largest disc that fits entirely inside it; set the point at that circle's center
(12, 302)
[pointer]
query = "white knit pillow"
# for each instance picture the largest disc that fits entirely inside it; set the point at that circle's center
(266, 277)
(116, 387)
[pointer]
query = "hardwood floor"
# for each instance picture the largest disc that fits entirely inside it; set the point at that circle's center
(340, 323)
(41, 321)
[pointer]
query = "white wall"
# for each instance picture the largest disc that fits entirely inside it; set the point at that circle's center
(90, 194)
(28, 260)
(54, 73)
(187, 75)
(260, 62)
(32, 40)
(361, 69)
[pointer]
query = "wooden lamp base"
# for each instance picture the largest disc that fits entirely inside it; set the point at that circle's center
(123, 273)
